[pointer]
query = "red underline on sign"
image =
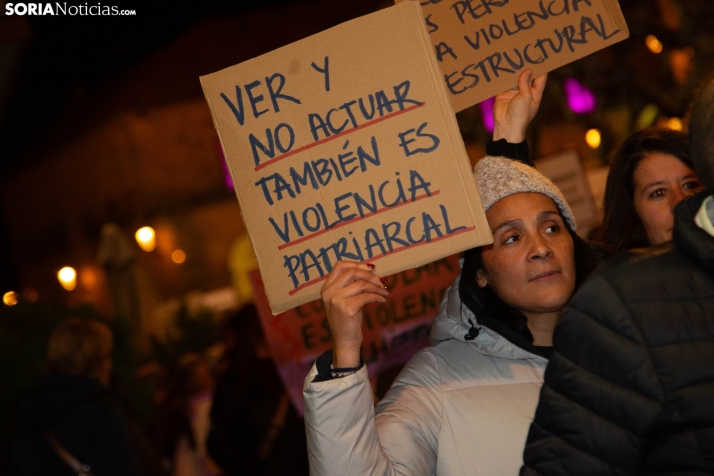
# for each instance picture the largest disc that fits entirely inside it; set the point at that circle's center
(402, 248)
(352, 220)
(375, 258)
(337, 136)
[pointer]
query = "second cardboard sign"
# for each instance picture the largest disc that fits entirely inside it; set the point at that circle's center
(483, 45)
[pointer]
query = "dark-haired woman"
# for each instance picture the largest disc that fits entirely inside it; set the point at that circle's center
(464, 404)
(651, 173)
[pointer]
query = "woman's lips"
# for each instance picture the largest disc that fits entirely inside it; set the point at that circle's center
(544, 276)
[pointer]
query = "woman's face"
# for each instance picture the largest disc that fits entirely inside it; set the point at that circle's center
(530, 264)
(660, 182)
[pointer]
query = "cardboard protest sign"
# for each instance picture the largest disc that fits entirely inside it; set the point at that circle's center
(344, 146)
(597, 178)
(483, 45)
(566, 171)
(393, 331)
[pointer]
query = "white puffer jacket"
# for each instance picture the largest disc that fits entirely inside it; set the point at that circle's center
(458, 408)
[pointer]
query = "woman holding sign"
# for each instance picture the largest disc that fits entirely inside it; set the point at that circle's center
(464, 404)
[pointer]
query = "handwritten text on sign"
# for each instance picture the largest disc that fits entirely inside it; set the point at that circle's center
(341, 149)
(483, 45)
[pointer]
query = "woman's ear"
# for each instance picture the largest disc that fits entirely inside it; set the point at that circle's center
(481, 278)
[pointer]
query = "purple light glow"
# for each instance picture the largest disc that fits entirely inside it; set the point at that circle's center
(487, 113)
(580, 99)
(226, 173)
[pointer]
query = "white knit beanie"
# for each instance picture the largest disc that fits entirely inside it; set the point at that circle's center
(498, 177)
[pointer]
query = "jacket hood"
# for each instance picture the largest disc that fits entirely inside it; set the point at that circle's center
(688, 237)
(54, 396)
(453, 321)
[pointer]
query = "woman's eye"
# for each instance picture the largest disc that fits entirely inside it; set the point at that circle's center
(657, 193)
(692, 185)
(553, 229)
(511, 239)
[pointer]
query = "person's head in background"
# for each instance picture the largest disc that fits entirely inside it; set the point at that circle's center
(651, 173)
(194, 374)
(242, 332)
(81, 347)
(701, 133)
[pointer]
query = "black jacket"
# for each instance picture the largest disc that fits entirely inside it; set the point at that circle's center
(630, 385)
(244, 405)
(86, 420)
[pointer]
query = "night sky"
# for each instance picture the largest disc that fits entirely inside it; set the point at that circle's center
(69, 58)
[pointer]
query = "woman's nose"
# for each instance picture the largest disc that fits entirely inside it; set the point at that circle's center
(675, 197)
(539, 248)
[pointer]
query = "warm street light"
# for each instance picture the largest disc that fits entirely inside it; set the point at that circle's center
(654, 45)
(146, 237)
(10, 298)
(178, 256)
(67, 277)
(592, 137)
(675, 123)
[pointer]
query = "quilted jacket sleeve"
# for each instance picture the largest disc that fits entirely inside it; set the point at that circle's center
(345, 437)
(601, 395)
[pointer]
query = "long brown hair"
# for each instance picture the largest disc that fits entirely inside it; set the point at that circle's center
(622, 228)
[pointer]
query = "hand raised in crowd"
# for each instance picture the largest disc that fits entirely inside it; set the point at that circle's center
(349, 287)
(514, 109)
